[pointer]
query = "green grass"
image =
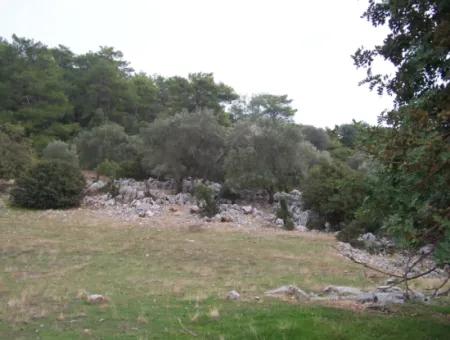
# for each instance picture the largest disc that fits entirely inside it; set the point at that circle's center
(168, 278)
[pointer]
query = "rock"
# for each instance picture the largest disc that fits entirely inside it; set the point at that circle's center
(279, 222)
(391, 281)
(389, 288)
(194, 209)
(96, 299)
(233, 295)
(366, 298)
(173, 209)
(301, 228)
(294, 202)
(149, 213)
(247, 209)
(369, 237)
(290, 291)
(95, 187)
(389, 298)
(426, 250)
(342, 290)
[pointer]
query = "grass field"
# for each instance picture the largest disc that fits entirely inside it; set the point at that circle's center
(168, 279)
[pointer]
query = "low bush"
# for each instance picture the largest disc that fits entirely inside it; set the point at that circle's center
(109, 169)
(207, 200)
(49, 185)
(285, 215)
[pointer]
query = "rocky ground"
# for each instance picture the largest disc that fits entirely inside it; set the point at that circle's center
(134, 200)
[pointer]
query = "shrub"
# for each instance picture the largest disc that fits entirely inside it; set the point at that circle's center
(334, 191)
(109, 168)
(60, 151)
(207, 200)
(285, 215)
(49, 185)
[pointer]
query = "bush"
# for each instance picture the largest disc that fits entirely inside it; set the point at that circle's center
(60, 151)
(109, 169)
(49, 185)
(208, 202)
(334, 191)
(285, 215)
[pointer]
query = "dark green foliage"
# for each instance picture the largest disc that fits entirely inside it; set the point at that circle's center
(109, 169)
(268, 154)
(285, 215)
(186, 145)
(317, 137)
(108, 141)
(132, 169)
(49, 185)
(272, 106)
(412, 147)
(15, 152)
(334, 192)
(351, 232)
(60, 151)
(229, 193)
(207, 200)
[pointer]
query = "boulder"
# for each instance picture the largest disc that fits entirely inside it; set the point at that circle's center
(96, 299)
(247, 209)
(233, 295)
(95, 187)
(194, 209)
(342, 290)
(289, 291)
(279, 222)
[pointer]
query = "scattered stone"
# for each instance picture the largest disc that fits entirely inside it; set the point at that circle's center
(194, 209)
(289, 291)
(295, 206)
(247, 209)
(279, 222)
(95, 299)
(342, 290)
(149, 213)
(391, 281)
(95, 187)
(233, 295)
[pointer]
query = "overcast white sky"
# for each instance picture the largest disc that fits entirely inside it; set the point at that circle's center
(294, 47)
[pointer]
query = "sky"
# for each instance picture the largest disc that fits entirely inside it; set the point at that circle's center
(295, 47)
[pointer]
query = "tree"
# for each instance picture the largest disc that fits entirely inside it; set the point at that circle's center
(268, 154)
(316, 136)
(58, 150)
(269, 105)
(187, 144)
(413, 150)
(15, 151)
(31, 91)
(108, 141)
